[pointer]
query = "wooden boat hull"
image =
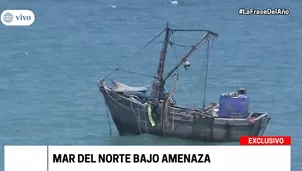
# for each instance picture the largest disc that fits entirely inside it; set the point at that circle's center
(131, 117)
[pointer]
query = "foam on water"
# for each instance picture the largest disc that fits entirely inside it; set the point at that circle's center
(174, 2)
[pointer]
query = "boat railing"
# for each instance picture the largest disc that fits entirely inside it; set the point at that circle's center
(258, 115)
(187, 112)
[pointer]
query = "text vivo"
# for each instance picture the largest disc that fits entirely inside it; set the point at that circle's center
(23, 17)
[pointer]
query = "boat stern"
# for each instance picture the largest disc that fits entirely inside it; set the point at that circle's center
(259, 122)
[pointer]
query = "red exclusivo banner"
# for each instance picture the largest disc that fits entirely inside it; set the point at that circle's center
(265, 140)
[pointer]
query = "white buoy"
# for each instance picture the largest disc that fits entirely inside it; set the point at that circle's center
(174, 2)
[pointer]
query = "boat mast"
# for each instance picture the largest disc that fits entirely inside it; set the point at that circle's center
(159, 81)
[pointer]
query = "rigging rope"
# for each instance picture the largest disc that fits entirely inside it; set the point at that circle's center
(142, 74)
(82, 93)
(177, 70)
(172, 43)
(108, 117)
(175, 84)
(177, 74)
(73, 97)
(208, 49)
(135, 54)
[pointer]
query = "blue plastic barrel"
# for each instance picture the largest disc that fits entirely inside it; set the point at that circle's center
(233, 105)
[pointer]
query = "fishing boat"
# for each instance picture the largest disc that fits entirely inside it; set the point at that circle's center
(136, 112)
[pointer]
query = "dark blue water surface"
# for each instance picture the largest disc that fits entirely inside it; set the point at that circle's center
(48, 71)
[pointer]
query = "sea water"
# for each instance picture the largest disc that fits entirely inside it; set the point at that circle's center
(48, 92)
